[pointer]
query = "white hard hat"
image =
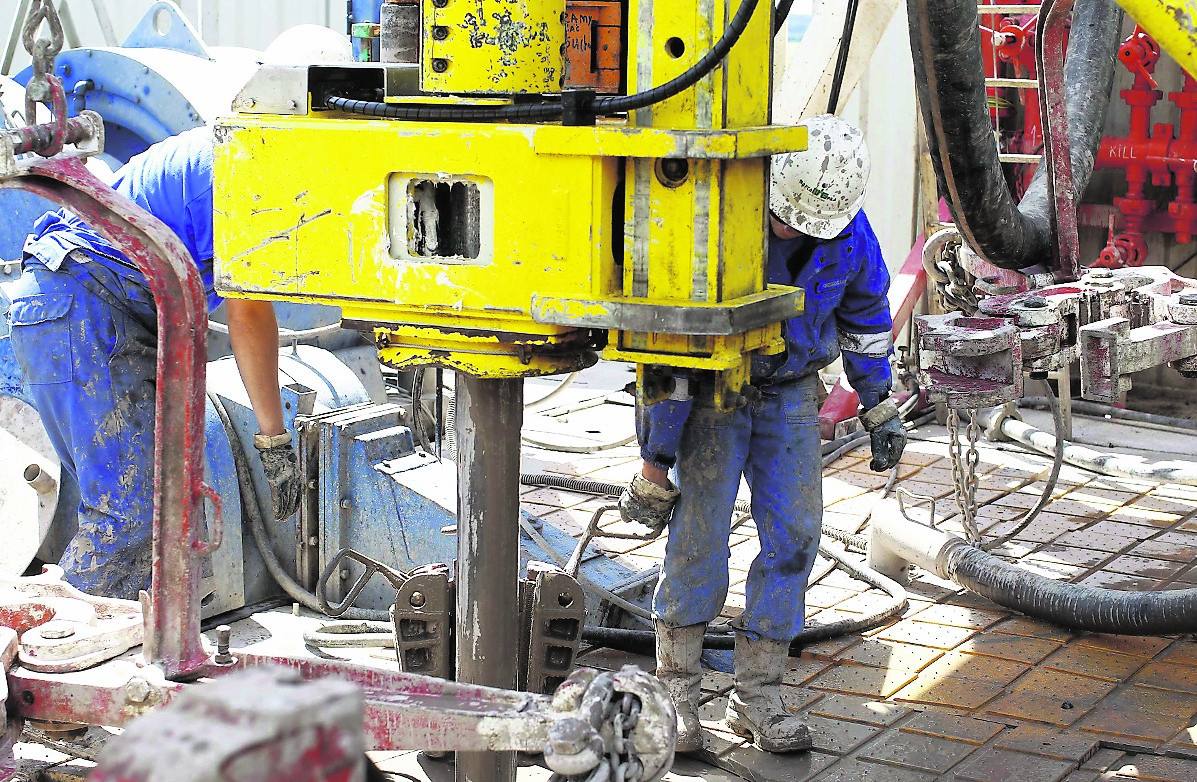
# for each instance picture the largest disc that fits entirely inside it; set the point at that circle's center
(308, 43)
(820, 190)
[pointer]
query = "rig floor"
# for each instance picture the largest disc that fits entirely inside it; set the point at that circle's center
(958, 688)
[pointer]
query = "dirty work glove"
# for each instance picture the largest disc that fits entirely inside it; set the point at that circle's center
(886, 435)
(282, 472)
(644, 502)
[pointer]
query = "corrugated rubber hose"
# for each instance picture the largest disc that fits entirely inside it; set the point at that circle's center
(950, 80)
(1074, 606)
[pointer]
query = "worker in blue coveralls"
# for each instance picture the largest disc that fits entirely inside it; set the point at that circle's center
(84, 331)
(822, 243)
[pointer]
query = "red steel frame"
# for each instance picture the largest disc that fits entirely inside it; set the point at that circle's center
(172, 607)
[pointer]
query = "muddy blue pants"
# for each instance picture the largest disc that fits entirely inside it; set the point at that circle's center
(88, 356)
(774, 444)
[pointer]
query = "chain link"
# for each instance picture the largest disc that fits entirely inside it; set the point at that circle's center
(43, 85)
(621, 763)
(964, 471)
(956, 287)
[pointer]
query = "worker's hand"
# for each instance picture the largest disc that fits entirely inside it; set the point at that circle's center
(644, 502)
(888, 440)
(282, 473)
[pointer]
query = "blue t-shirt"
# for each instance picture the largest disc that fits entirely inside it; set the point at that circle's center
(171, 180)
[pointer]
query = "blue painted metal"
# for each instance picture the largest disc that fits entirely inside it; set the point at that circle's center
(165, 27)
(145, 95)
(369, 11)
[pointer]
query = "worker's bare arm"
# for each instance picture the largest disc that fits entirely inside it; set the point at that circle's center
(253, 331)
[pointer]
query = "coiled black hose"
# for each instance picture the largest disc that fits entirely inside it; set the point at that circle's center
(950, 80)
(539, 112)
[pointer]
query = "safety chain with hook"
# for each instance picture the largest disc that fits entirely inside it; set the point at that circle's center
(955, 287)
(964, 471)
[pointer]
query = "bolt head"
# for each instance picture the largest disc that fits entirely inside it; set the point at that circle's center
(56, 631)
(1034, 302)
(417, 600)
(1101, 274)
(138, 690)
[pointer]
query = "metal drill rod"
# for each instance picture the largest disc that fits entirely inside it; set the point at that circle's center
(488, 422)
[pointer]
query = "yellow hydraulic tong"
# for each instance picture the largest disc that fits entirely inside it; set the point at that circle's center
(471, 210)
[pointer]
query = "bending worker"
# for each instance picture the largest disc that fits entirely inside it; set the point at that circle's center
(821, 242)
(84, 331)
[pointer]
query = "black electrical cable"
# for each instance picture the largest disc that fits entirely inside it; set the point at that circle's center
(644, 641)
(257, 528)
(532, 112)
(841, 60)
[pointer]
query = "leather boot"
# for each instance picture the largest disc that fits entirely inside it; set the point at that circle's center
(755, 710)
(679, 667)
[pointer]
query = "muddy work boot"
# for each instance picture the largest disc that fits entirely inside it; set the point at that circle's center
(679, 667)
(755, 710)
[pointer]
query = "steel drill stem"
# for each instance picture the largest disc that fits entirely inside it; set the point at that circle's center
(489, 419)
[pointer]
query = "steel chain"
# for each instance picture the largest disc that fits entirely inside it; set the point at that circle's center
(964, 471)
(622, 762)
(955, 286)
(40, 88)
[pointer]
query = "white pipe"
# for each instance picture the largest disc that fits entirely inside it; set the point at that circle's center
(895, 543)
(40, 480)
(1114, 464)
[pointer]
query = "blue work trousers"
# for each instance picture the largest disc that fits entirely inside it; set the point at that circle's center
(89, 362)
(774, 443)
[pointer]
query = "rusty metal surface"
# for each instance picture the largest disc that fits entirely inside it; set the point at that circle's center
(489, 414)
(423, 622)
(63, 629)
(172, 615)
(1116, 322)
(558, 609)
(112, 693)
(1050, 44)
(259, 724)
(172, 621)
(10, 728)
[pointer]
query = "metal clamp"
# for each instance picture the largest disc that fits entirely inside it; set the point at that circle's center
(371, 566)
(422, 618)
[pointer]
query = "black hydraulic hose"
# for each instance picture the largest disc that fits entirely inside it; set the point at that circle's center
(781, 14)
(534, 112)
(1049, 487)
(1089, 71)
(841, 59)
(257, 528)
(644, 641)
(1074, 606)
(950, 80)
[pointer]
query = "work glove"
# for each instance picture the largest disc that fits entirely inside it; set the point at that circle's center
(644, 502)
(887, 438)
(282, 472)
